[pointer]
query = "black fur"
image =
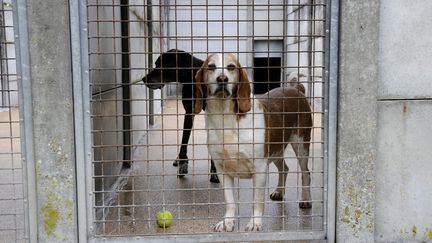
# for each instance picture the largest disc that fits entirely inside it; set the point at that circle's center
(179, 66)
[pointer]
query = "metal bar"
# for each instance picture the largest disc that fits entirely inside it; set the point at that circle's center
(150, 56)
(26, 116)
(126, 104)
(77, 13)
(207, 5)
(331, 73)
(218, 237)
(84, 192)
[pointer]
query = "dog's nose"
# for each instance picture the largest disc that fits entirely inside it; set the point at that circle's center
(222, 79)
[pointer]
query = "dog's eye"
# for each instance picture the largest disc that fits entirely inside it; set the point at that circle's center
(231, 67)
(211, 67)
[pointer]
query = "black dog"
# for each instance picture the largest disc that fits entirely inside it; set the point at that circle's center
(179, 66)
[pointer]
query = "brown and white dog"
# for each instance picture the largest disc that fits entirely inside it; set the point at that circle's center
(244, 134)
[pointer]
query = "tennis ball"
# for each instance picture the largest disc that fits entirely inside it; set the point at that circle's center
(164, 218)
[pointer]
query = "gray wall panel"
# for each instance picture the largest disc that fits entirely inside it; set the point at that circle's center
(405, 49)
(403, 171)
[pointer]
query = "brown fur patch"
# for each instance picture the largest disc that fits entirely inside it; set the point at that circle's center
(286, 111)
(241, 166)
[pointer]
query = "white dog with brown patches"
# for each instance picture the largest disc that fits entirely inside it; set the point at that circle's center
(244, 135)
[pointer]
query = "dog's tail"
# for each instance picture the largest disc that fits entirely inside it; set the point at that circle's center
(293, 80)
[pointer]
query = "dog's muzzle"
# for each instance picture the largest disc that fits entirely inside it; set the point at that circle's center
(151, 82)
(222, 91)
(154, 85)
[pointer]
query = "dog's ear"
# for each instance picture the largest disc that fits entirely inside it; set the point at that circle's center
(199, 88)
(242, 92)
(184, 59)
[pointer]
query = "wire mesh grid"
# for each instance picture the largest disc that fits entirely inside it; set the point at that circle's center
(140, 125)
(11, 184)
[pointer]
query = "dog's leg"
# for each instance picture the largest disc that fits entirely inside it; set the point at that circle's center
(279, 192)
(182, 160)
(259, 184)
(227, 224)
(301, 149)
(306, 195)
(213, 173)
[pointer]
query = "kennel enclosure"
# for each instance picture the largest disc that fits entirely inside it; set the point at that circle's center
(380, 131)
(127, 136)
(137, 131)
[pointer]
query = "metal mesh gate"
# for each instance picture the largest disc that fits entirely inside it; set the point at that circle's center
(139, 130)
(11, 181)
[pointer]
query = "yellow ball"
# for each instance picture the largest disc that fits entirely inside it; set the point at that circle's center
(164, 218)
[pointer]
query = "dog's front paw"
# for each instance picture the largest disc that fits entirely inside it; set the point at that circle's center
(254, 224)
(214, 178)
(181, 159)
(276, 196)
(226, 225)
(182, 169)
(305, 204)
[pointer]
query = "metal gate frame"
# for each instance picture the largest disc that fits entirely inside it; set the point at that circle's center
(79, 43)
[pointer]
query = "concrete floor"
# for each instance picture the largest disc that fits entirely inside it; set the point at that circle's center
(197, 204)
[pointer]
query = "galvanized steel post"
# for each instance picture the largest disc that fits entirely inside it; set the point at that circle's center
(48, 119)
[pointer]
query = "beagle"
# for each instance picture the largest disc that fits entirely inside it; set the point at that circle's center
(245, 134)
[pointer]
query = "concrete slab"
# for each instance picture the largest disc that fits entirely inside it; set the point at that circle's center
(403, 178)
(404, 56)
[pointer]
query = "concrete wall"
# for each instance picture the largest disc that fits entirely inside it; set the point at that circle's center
(246, 27)
(384, 131)
(309, 61)
(194, 33)
(357, 117)
(139, 67)
(105, 76)
(404, 139)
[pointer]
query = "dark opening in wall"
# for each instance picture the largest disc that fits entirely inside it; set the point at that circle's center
(267, 74)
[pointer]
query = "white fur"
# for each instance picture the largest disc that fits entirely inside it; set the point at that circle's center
(244, 143)
(221, 64)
